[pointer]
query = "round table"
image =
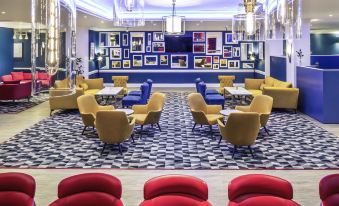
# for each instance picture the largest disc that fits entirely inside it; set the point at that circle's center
(227, 112)
(127, 111)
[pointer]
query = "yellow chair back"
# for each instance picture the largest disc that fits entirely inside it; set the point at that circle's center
(262, 104)
(197, 103)
(156, 102)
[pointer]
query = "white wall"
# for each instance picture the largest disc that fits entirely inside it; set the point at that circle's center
(82, 47)
(272, 48)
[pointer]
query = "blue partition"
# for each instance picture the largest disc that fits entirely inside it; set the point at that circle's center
(325, 61)
(6, 51)
(278, 67)
(319, 93)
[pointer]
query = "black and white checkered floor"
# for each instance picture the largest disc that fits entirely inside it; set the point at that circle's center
(10, 107)
(56, 142)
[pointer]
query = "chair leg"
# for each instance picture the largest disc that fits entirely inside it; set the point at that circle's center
(234, 151)
(266, 130)
(250, 148)
(195, 124)
(141, 131)
(120, 149)
(83, 131)
(103, 149)
(211, 131)
(132, 137)
(159, 127)
(220, 140)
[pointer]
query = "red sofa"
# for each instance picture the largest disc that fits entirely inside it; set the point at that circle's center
(17, 189)
(15, 90)
(329, 190)
(89, 189)
(175, 190)
(260, 190)
(42, 77)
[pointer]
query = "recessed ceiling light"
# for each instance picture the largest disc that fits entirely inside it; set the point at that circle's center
(102, 22)
(85, 17)
(331, 15)
(154, 24)
(315, 20)
(3, 12)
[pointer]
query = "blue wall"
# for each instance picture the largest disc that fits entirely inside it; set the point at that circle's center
(6, 51)
(325, 50)
(325, 62)
(278, 68)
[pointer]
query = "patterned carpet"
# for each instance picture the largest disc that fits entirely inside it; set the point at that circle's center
(56, 142)
(10, 107)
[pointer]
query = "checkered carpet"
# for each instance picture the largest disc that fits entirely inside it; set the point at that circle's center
(10, 107)
(56, 142)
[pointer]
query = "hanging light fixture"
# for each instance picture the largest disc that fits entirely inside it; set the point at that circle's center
(128, 13)
(250, 17)
(14, 35)
(174, 24)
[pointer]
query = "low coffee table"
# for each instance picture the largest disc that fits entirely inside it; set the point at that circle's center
(238, 91)
(227, 112)
(109, 92)
(127, 111)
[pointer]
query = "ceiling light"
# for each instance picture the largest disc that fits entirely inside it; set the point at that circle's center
(3, 12)
(128, 13)
(174, 24)
(331, 15)
(314, 20)
(85, 17)
(250, 18)
(102, 22)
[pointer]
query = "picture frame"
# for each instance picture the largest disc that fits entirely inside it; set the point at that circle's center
(236, 51)
(137, 61)
(114, 39)
(126, 64)
(199, 36)
(215, 66)
(229, 39)
(247, 65)
(203, 62)
(247, 50)
(126, 53)
(233, 64)
(149, 39)
(199, 48)
(18, 50)
(163, 60)
(137, 42)
(214, 44)
(104, 51)
(125, 39)
(150, 60)
(103, 39)
(148, 49)
(223, 63)
(261, 50)
(227, 52)
(158, 36)
(116, 64)
(91, 51)
(158, 47)
(216, 60)
(115, 53)
(179, 61)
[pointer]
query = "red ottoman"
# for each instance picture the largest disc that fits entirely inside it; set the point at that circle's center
(329, 190)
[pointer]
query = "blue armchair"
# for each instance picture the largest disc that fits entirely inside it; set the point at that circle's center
(211, 99)
(138, 93)
(208, 92)
(129, 100)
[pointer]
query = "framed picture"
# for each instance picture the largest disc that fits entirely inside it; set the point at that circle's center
(215, 60)
(247, 51)
(148, 49)
(214, 43)
(149, 38)
(261, 50)
(158, 36)
(104, 51)
(199, 48)
(126, 53)
(233, 64)
(115, 53)
(179, 61)
(103, 39)
(137, 61)
(126, 64)
(137, 40)
(215, 66)
(201, 62)
(163, 59)
(91, 50)
(114, 39)
(158, 47)
(248, 65)
(125, 39)
(151, 60)
(116, 64)
(199, 37)
(229, 39)
(236, 51)
(227, 52)
(223, 63)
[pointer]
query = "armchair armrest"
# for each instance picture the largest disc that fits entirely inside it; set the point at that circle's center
(109, 107)
(243, 108)
(283, 97)
(140, 109)
(213, 109)
(253, 84)
(95, 83)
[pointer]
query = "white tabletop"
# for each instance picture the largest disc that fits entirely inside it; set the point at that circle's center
(227, 112)
(110, 91)
(238, 91)
(127, 111)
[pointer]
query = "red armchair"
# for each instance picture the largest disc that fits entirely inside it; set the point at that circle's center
(260, 190)
(15, 91)
(16, 189)
(42, 77)
(329, 190)
(174, 190)
(88, 190)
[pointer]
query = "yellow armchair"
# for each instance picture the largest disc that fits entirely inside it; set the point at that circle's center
(225, 81)
(240, 130)
(202, 113)
(150, 114)
(114, 127)
(121, 81)
(261, 104)
(62, 84)
(63, 98)
(88, 108)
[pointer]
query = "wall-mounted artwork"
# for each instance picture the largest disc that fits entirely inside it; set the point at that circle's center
(223, 63)
(18, 51)
(248, 65)
(163, 59)
(114, 39)
(151, 60)
(103, 39)
(149, 38)
(261, 50)
(115, 53)
(199, 37)
(216, 60)
(137, 60)
(214, 43)
(158, 36)
(229, 39)
(104, 51)
(116, 64)
(137, 40)
(126, 64)
(236, 51)
(91, 50)
(199, 48)
(179, 61)
(227, 52)
(148, 49)
(201, 62)
(215, 66)
(246, 51)
(126, 53)
(125, 39)
(158, 47)
(233, 64)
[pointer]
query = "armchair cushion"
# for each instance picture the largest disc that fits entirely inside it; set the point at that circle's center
(17, 75)
(27, 76)
(84, 86)
(7, 78)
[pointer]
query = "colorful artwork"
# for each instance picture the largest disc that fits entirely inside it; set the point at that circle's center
(179, 61)
(227, 52)
(116, 64)
(199, 37)
(126, 64)
(158, 47)
(199, 48)
(151, 60)
(233, 64)
(115, 53)
(163, 59)
(223, 63)
(137, 60)
(201, 62)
